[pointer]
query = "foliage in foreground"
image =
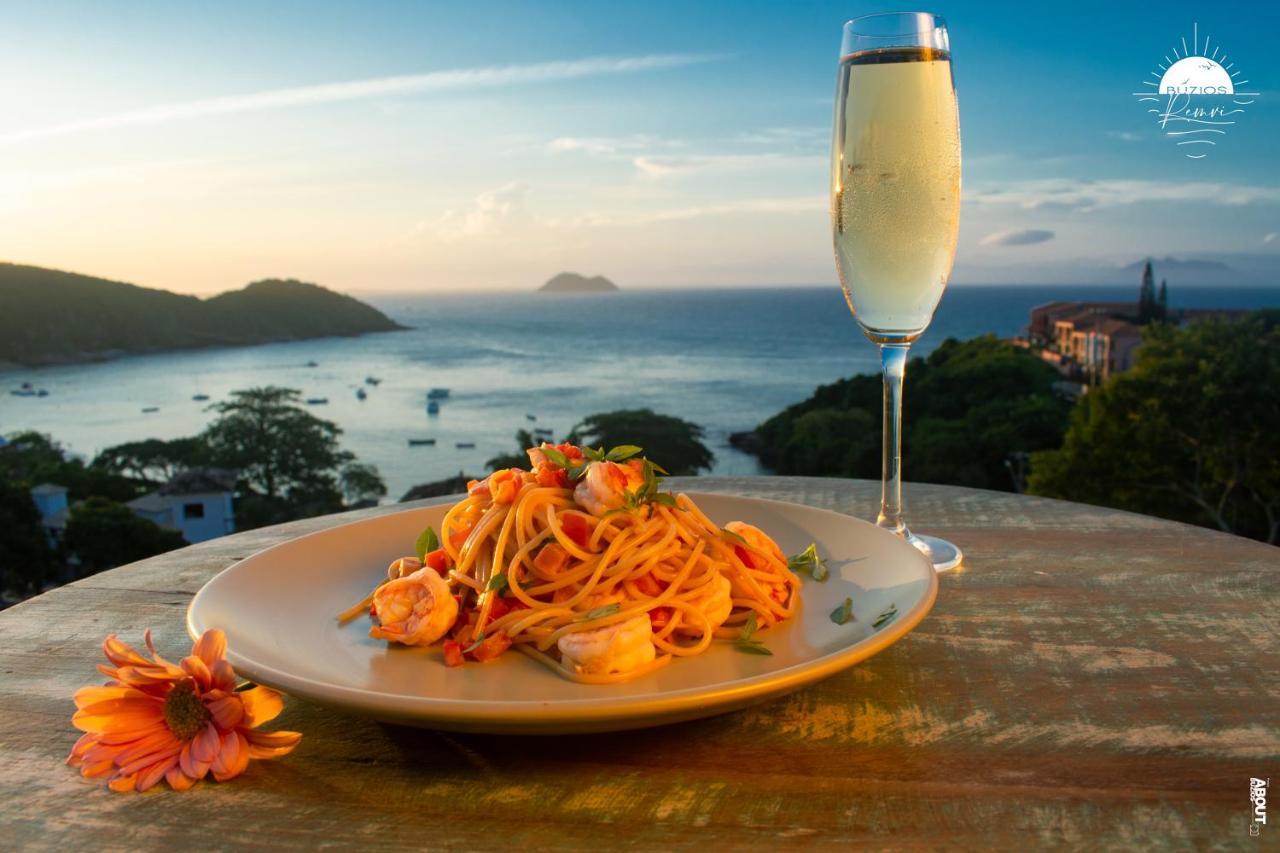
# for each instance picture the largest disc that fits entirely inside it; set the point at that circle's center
(672, 442)
(104, 534)
(969, 409)
(1190, 433)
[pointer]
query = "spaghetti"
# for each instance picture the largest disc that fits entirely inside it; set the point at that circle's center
(583, 564)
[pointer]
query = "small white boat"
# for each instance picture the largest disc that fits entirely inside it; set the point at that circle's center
(433, 408)
(200, 398)
(529, 417)
(422, 442)
(371, 380)
(149, 409)
(360, 394)
(464, 445)
(317, 401)
(438, 394)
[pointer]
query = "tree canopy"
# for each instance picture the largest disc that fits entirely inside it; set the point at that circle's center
(153, 460)
(1190, 433)
(104, 534)
(25, 558)
(969, 408)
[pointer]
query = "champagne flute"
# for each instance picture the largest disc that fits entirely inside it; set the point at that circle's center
(895, 207)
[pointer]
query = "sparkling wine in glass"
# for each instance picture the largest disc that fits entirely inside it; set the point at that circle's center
(895, 207)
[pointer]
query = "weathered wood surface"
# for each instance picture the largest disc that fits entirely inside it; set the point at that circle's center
(1090, 679)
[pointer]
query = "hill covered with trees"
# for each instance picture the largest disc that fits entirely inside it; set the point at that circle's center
(53, 317)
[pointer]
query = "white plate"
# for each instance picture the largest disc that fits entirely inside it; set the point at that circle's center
(278, 610)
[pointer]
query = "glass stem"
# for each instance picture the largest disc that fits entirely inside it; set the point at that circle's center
(893, 362)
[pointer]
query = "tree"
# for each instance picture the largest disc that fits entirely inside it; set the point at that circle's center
(1147, 296)
(1162, 302)
(34, 458)
(971, 409)
(279, 448)
(673, 443)
(25, 557)
(152, 460)
(104, 534)
(1189, 433)
(361, 482)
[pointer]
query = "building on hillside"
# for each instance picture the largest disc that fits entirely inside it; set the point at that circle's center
(51, 500)
(196, 503)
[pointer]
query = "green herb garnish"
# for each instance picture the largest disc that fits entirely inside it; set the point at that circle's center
(475, 645)
(745, 642)
(810, 563)
(556, 456)
(599, 613)
(622, 452)
(427, 542)
(735, 538)
(886, 617)
(498, 582)
(843, 613)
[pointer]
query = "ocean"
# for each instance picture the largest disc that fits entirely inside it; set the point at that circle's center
(724, 359)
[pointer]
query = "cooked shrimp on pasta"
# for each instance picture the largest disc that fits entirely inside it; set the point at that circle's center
(584, 564)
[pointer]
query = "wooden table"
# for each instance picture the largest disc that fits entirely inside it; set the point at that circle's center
(1090, 678)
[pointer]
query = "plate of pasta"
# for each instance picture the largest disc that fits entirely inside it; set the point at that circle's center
(577, 594)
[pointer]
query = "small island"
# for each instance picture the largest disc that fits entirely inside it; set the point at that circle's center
(571, 282)
(54, 317)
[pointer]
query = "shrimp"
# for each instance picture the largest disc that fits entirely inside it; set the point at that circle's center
(715, 601)
(613, 648)
(415, 610)
(757, 539)
(606, 484)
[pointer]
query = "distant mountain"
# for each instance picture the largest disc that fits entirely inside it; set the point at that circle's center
(571, 282)
(54, 317)
(1174, 265)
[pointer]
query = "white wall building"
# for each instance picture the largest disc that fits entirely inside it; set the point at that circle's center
(196, 503)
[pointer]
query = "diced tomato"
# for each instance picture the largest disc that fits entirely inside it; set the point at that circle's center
(648, 584)
(572, 452)
(437, 560)
(373, 610)
(745, 556)
(453, 653)
(660, 616)
(576, 528)
(551, 558)
(499, 608)
(490, 647)
(551, 476)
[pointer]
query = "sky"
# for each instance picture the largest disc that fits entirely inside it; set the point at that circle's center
(375, 147)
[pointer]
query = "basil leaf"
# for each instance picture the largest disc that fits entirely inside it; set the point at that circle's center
(810, 563)
(733, 537)
(427, 542)
(475, 645)
(754, 648)
(498, 582)
(622, 452)
(666, 500)
(594, 455)
(748, 628)
(599, 613)
(843, 613)
(886, 617)
(577, 471)
(555, 456)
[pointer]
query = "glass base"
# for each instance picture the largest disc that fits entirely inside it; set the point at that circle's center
(940, 552)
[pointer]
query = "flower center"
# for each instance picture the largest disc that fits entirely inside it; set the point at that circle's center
(184, 713)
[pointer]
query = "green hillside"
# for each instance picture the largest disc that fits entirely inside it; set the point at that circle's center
(50, 317)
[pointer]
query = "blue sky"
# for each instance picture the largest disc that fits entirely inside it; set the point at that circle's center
(415, 146)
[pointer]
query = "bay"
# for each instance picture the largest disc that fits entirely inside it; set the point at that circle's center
(725, 359)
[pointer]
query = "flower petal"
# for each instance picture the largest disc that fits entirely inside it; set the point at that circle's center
(196, 668)
(211, 647)
(205, 746)
(93, 771)
(232, 759)
(86, 696)
(87, 740)
(121, 784)
(126, 736)
(227, 711)
(113, 722)
(261, 705)
(224, 677)
(271, 744)
(177, 779)
(160, 742)
(155, 773)
(121, 653)
(195, 770)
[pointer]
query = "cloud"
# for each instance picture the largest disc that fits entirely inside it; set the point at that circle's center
(1018, 237)
(1124, 135)
(492, 213)
(664, 167)
(1087, 196)
(1272, 237)
(606, 146)
(378, 87)
(783, 205)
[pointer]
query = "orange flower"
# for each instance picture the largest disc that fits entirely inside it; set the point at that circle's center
(178, 722)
